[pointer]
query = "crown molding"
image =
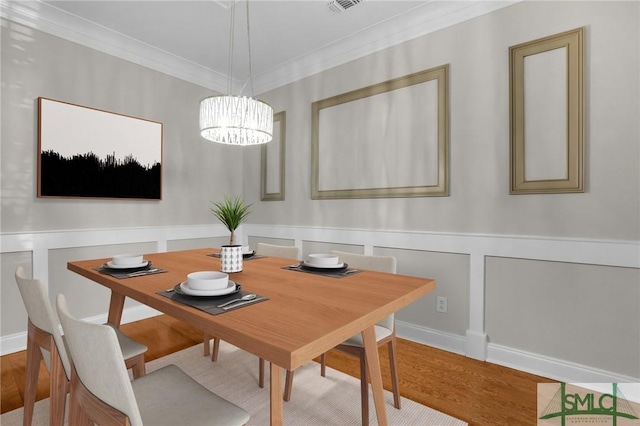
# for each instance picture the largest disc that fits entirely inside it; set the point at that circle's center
(420, 22)
(51, 20)
(424, 20)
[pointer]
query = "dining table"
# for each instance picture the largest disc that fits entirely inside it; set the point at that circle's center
(301, 315)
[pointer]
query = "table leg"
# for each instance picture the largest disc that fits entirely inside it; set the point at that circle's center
(276, 395)
(373, 363)
(115, 309)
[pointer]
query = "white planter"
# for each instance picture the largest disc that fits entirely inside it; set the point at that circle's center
(231, 258)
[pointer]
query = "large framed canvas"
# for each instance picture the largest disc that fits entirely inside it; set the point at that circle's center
(86, 152)
(386, 140)
(547, 114)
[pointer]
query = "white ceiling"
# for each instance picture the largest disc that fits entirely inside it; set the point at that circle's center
(289, 39)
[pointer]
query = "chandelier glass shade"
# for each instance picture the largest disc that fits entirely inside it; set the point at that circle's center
(236, 120)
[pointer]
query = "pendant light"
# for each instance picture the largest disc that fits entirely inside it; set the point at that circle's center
(236, 120)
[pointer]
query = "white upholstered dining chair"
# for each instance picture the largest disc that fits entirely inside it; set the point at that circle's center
(44, 340)
(102, 393)
(384, 329)
(287, 252)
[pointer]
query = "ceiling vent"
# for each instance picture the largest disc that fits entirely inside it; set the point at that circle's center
(342, 5)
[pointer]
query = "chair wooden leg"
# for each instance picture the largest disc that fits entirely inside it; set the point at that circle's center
(216, 348)
(261, 373)
(34, 357)
(323, 364)
(364, 390)
(288, 384)
(77, 415)
(206, 340)
(207, 346)
(393, 364)
(58, 388)
(137, 366)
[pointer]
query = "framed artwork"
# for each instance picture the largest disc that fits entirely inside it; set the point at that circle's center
(386, 140)
(273, 161)
(86, 152)
(547, 109)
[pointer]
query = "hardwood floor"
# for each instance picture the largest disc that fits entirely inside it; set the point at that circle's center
(477, 392)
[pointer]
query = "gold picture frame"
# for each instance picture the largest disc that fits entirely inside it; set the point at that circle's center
(547, 114)
(273, 159)
(354, 127)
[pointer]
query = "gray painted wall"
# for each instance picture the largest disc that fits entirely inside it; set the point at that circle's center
(35, 64)
(477, 51)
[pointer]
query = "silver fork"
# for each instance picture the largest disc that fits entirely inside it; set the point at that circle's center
(148, 271)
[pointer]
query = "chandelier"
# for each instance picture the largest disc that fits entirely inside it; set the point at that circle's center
(236, 120)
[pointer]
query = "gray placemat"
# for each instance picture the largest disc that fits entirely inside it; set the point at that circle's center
(210, 304)
(327, 273)
(130, 273)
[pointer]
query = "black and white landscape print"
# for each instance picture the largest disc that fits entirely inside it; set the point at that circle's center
(84, 152)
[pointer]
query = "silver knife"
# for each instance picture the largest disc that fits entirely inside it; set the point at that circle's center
(247, 302)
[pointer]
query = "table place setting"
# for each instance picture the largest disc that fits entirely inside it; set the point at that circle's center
(328, 265)
(212, 292)
(128, 266)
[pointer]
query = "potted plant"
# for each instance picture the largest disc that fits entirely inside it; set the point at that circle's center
(231, 212)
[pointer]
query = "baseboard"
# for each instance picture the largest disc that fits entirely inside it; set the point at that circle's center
(552, 368)
(13, 343)
(476, 345)
(540, 365)
(18, 342)
(427, 336)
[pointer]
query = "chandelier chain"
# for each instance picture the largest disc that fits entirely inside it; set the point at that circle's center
(231, 37)
(249, 47)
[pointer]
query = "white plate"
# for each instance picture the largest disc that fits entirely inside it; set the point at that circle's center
(184, 286)
(112, 265)
(313, 265)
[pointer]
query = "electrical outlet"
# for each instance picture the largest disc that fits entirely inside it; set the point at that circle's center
(441, 304)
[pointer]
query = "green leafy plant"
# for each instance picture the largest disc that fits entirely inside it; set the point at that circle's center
(231, 212)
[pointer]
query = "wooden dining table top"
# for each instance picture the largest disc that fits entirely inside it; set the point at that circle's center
(305, 316)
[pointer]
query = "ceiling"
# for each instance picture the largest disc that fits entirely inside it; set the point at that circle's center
(290, 40)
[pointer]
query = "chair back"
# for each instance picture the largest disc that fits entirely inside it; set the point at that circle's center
(98, 362)
(41, 314)
(371, 263)
(288, 252)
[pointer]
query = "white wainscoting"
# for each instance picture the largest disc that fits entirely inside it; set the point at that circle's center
(478, 246)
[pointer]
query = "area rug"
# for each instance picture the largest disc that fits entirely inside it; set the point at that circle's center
(315, 400)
